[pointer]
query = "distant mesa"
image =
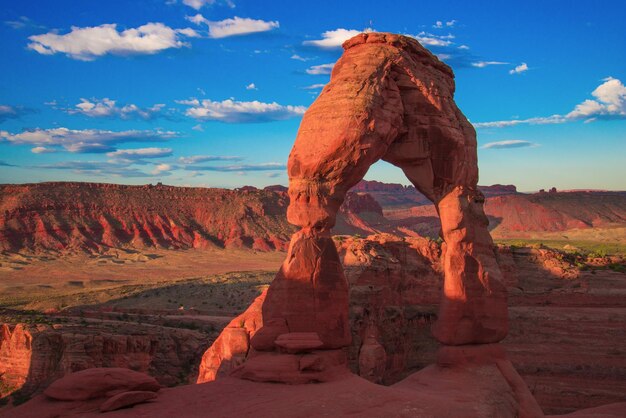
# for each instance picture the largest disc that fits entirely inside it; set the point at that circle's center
(94, 217)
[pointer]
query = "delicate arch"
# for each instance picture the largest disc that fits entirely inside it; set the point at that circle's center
(391, 99)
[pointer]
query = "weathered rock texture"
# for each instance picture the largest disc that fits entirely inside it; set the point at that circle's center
(31, 357)
(15, 357)
(566, 333)
(93, 217)
(388, 98)
(53, 217)
(100, 382)
(391, 99)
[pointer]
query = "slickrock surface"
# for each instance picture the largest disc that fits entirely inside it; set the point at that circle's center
(99, 382)
(464, 386)
(126, 399)
(473, 387)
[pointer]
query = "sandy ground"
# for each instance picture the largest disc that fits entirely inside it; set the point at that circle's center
(30, 281)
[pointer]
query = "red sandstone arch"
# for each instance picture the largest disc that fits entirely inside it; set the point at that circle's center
(388, 98)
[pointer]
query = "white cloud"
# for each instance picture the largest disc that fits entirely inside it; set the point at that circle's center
(299, 58)
(161, 169)
(335, 38)
(198, 128)
(242, 168)
(195, 159)
(321, 69)
(547, 120)
(97, 168)
(42, 150)
(483, 64)
(448, 24)
(7, 112)
(83, 141)
(97, 108)
(519, 69)
(251, 86)
(430, 39)
(198, 4)
(314, 86)
(609, 103)
(6, 109)
(239, 26)
(464, 47)
(198, 19)
(89, 43)
(139, 153)
(22, 22)
(510, 143)
(233, 111)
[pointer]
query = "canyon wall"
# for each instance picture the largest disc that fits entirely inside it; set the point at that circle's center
(33, 356)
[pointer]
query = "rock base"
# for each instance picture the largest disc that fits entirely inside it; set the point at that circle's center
(316, 366)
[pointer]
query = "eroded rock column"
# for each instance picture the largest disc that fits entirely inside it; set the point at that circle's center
(473, 308)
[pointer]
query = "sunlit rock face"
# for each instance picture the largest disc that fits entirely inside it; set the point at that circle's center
(388, 98)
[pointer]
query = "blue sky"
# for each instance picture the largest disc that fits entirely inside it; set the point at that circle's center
(211, 92)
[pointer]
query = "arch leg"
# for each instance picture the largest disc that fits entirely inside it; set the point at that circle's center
(473, 309)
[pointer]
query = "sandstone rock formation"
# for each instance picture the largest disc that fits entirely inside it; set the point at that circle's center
(93, 217)
(391, 99)
(388, 99)
(99, 382)
(232, 346)
(15, 353)
(31, 357)
(97, 389)
(126, 399)
(565, 339)
(52, 217)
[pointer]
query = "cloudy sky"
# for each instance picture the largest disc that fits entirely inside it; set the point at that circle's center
(211, 92)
